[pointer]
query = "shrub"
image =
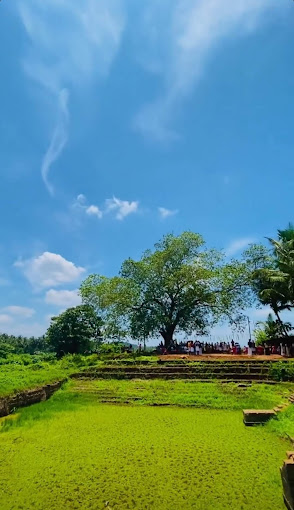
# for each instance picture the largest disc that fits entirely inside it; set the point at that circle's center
(282, 371)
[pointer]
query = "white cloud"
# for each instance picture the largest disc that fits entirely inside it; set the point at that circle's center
(58, 140)
(93, 210)
(49, 270)
(80, 208)
(19, 311)
(181, 36)
(63, 298)
(70, 45)
(122, 207)
(238, 245)
(5, 319)
(81, 199)
(165, 213)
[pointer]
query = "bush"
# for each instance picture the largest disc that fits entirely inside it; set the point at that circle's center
(282, 371)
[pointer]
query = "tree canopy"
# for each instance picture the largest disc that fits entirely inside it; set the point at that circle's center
(75, 331)
(181, 285)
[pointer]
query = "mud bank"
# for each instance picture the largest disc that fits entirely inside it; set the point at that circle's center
(28, 397)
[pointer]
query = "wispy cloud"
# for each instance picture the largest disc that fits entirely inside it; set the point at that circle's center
(93, 210)
(70, 44)
(191, 31)
(165, 213)
(58, 140)
(238, 245)
(80, 208)
(122, 208)
(5, 319)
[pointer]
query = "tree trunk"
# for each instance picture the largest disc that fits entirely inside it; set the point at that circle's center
(167, 335)
(281, 323)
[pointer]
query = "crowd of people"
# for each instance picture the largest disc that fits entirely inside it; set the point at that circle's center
(198, 348)
(195, 347)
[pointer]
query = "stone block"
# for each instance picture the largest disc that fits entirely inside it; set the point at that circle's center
(287, 476)
(257, 416)
(3, 407)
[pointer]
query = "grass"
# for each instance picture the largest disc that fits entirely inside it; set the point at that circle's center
(19, 378)
(22, 372)
(74, 453)
(284, 425)
(15, 378)
(179, 392)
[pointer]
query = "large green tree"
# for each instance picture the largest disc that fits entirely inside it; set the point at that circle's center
(75, 331)
(179, 286)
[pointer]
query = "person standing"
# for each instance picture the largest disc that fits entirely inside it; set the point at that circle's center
(197, 347)
(249, 348)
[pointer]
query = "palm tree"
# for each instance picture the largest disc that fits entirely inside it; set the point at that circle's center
(282, 278)
(273, 329)
(273, 281)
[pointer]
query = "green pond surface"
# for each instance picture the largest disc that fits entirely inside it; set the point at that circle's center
(96, 456)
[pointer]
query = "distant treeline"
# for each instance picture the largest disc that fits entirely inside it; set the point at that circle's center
(10, 344)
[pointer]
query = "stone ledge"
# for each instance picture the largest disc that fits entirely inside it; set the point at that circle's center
(257, 416)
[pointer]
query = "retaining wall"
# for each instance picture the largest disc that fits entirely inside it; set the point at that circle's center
(28, 397)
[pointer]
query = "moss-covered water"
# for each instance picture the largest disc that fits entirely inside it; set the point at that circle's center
(74, 453)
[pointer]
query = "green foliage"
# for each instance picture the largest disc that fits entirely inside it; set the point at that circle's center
(21, 345)
(6, 350)
(273, 274)
(260, 336)
(280, 371)
(27, 359)
(179, 286)
(284, 424)
(137, 458)
(75, 331)
(271, 329)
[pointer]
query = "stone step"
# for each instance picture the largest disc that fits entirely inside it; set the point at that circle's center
(206, 369)
(173, 375)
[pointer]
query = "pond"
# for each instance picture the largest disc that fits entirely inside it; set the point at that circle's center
(79, 454)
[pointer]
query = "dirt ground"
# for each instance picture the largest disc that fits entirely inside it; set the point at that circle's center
(222, 357)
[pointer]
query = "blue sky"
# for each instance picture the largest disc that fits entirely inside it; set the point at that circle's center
(121, 121)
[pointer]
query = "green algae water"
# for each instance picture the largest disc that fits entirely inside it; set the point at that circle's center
(85, 455)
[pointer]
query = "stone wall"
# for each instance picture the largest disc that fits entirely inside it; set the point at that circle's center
(27, 398)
